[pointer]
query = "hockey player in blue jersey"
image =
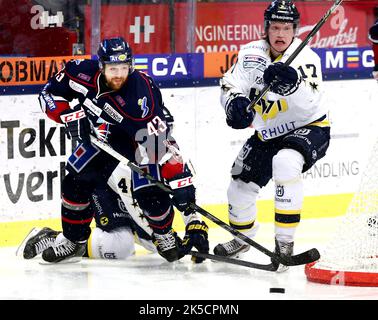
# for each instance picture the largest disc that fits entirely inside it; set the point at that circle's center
(118, 226)
(123, 107)
(373, 36)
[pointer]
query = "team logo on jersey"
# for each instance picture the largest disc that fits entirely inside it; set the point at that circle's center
(104, 221)
(268, 109)
(302, 132)
(143, 106)
(280, 191)
(121, 205)
(244, 152)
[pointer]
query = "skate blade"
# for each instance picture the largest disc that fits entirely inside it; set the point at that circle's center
(282, 268)
(146, 244)
(67, 261)
(20, 249)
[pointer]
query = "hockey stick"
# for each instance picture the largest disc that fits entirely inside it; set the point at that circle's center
(265, 267)
(302, 258)
(298, 50)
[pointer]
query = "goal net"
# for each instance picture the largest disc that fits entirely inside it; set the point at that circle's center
(351, 257)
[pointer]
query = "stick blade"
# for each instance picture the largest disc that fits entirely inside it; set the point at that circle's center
(248, 264)
(304, 257)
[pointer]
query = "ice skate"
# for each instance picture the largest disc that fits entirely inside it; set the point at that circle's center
(231, 249)
(64, 250)
(283, 249)
(167, 245)
(36, 242)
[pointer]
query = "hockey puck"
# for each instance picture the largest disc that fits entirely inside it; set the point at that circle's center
(277, 290)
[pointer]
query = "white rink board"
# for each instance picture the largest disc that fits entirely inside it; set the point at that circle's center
(31, 154)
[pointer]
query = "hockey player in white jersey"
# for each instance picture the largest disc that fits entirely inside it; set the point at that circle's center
(291, 127)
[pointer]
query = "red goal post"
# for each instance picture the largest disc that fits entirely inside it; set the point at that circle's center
(318, 274)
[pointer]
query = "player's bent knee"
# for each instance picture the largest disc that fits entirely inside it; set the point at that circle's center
(287, 165)
(241, 193)
(153, 201)
(76, 190)
(116, 244)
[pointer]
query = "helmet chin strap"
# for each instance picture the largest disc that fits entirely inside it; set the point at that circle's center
(101, 67)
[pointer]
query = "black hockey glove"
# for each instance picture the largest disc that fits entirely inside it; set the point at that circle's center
(375, 72)
(169, 119)
(77, 124)
(237, 116)
(373, 32)
(196, 235)
(184, 191)
(282, 79)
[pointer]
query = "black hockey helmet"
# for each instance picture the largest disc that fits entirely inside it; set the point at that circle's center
(373, 33)
(115, 50)
(281, 11)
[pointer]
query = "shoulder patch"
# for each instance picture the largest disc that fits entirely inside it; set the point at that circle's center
(143, 106)
(84, 77)
(112, 113)
(78, 87)
(120, 100)
(253, 61)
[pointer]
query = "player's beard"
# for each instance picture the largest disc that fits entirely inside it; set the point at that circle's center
(116, 83)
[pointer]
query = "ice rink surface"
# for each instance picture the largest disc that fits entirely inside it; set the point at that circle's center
(149, 277)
